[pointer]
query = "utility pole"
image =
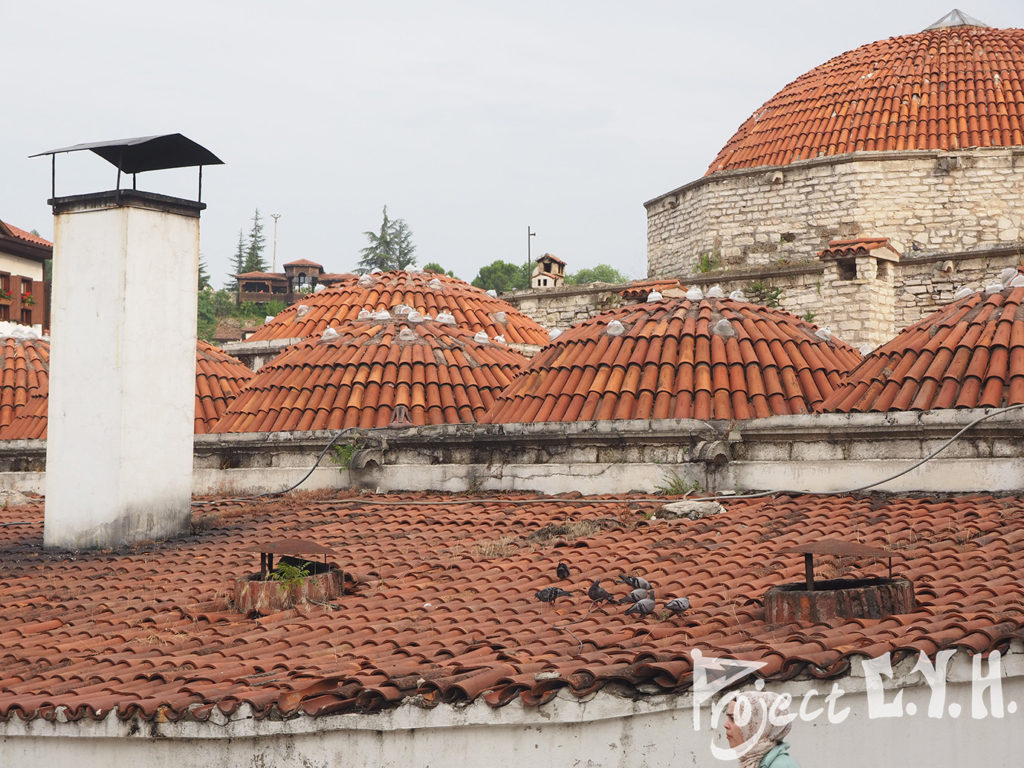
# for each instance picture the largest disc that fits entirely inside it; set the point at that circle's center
(529, 255)
(275, 217)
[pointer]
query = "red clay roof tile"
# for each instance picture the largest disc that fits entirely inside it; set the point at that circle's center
(442, 374)
(219, 377)
(21, 234)
(671, 347)
(966, 355)
(472, 308)
(443, 603)
(934, 80)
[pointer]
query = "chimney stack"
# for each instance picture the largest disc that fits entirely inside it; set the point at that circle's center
(123, 350)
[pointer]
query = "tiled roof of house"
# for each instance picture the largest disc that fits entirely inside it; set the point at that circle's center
(219, 377)
(24, 368)
(712, 358)
(440, 373)
(948, 88)
(21, 234)
(472, 308)
(641, 289)
(303, 263)
(442, 602)
(969, 354)
(855, 246)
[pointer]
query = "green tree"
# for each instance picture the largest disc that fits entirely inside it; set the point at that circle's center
(602, 273)
(254, 249)
(238, 262)
(204, 276)
(502, 276)
(389, 249)
(437, 269)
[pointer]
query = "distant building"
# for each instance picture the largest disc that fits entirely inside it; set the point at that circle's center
(549, 272)
(300, 278)
(23, 295)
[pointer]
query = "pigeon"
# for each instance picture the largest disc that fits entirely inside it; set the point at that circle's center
(637, 595)
(641, 607)
(550, 594)
(679, 606)
(636, 582)
(597, 593)
(562, 571)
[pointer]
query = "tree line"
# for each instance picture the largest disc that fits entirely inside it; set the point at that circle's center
(390, 247)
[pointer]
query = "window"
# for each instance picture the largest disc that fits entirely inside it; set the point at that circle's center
(26, 316)
(5, 311)
(847, 269)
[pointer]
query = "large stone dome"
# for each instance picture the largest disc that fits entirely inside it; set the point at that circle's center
(946, 88)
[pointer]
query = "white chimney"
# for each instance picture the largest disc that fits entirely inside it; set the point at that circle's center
(123, 352)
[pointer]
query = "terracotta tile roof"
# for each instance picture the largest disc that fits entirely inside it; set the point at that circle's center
(641, 289)
(969, 354)
(219, 377)
(709, 359)
(24, 368)
(442, 604)
(21, 234)
(941, 89)
(473, 308)
(440, 373)
(857, 245)
(278, 276)
(303, 263)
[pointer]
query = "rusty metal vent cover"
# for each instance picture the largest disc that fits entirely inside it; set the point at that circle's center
(824, 601)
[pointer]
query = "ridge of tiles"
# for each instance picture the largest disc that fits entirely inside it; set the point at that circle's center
(676, 361)
(942, 89)
(24, 369)
(219, 377)
(440, 373)
(472, 307)
(441, 601)
(969, 354)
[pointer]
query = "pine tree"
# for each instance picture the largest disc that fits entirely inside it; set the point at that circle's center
(389, 249)
(204, 276)
(254, 251)
(238, 262)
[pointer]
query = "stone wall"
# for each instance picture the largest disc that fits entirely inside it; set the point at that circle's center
(940, 201)
(566, 305)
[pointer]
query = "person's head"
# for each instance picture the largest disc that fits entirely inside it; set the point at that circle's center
(754, 715)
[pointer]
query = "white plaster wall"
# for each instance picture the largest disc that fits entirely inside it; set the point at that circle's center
(22, 267)
(605, 730)
(122, 376)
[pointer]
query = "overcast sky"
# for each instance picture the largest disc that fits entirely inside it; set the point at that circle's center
(470, 120)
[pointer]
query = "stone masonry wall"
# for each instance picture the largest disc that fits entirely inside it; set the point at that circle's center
(924, 200)
(565, 306)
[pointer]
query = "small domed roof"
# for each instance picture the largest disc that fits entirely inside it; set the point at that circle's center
(706, 358)
(219, 377)
(426, 292)
(969, 354)
(950, 87)
(359, 372)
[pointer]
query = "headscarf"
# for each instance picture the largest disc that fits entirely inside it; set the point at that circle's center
(762, 705)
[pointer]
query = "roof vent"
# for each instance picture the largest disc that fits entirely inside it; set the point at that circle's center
(694, 294)
(480, 338)
(401, 309)
(328, 334)
(1017, 281)
(554, 333)
(400, 417)
(963, 293)
(615, 328)
(407, 334)
(500, 317)
(434, 285)
(365, 280)
(301, 310)
(377, 271)
(1007, 275)
(364, 314)
(824, 601)
(956, 18)
(446, 317)
(294, 581)
(737, 295)
(500, 339)
(382, 315)
(824, 333)
(492, 293)
(414, 316)
(715, 292)
(724, 328)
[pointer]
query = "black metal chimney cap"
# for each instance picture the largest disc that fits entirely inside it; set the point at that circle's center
(147, 153)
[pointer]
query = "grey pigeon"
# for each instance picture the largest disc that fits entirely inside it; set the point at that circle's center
(679, 606)
(550, 594)
(597, 593)
(636, 582)
(562, 571)
(637, 595)
(641, 607)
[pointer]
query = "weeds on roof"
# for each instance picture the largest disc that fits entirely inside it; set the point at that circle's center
(673, 484)
(342, 453)
(762, 293)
